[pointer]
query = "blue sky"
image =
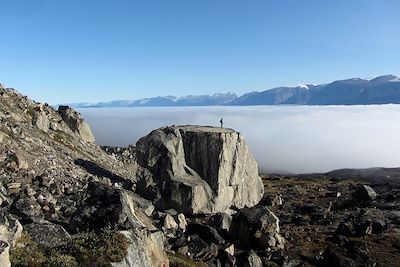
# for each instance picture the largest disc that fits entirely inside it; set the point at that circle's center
(96, 50)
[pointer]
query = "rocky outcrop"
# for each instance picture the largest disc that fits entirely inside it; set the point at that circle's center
(76, 123)
(107, 207)
(197, 169)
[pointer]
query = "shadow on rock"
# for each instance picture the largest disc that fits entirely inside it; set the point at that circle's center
(95, 169)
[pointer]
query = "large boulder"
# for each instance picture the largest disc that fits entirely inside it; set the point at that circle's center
(108, 207)
(76, 123)
(197, 169)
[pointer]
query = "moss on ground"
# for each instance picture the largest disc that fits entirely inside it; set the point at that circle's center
(84, 249)
(178, 260)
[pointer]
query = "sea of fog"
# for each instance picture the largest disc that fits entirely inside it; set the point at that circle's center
(296, 139)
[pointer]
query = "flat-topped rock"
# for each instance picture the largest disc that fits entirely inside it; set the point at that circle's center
(198, 169)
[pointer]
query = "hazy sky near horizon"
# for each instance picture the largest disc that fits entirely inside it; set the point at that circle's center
(298, 139)
(97, 50)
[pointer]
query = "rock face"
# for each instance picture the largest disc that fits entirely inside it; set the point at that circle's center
(76, 123)
(197, 169)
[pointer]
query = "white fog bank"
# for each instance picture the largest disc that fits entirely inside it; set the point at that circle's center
(297, 139)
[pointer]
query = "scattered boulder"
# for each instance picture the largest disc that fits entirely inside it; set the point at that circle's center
(76, 123)
(182, 223)
(41, 121)
(223, 221)
(17, 162)
(198, 169)
(205, 232)
(365, 193)
(250, 259)
(28, 208)
(256, 227)
(169, 222)
(105, 206)
(47, 234)
(272, 200)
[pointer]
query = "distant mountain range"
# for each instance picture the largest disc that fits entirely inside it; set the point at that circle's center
(380, 90)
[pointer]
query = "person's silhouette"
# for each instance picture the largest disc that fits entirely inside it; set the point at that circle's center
(222, 122)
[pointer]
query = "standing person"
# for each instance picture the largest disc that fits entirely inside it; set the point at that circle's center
(222, 122)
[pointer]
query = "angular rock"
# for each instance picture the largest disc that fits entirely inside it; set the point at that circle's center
(47, 234)
(169, 222)
(108, 207)
(223, 221)
(10, 229)
(28, 208)
(4, 254)
(250, 259)
(76, 123)
(145, 249)
(199, 169)
(105, 206)
(205, 232)
(270, 200)
(17, 162)
(41, 121)
(182, 223)
(365, 193)
(256, 227)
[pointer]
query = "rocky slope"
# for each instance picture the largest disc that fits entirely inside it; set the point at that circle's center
(183, 196)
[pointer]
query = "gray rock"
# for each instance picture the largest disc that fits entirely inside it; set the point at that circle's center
(10, 229)
(2, 137)
(41, 121)
(365, 193)
(169, 222)
(145, 249)
(4, 254)
(205, 232)
(199, 169)
(252, 260)
(182, 223)
(105, 206)
(223, 221)
(146, 205)
(76, 123)
(108, 207)
(17, 162)
(270, 200)
(256, 227)
(28, 208)
(47, 234)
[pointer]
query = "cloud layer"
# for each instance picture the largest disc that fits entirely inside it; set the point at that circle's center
(297, 139)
